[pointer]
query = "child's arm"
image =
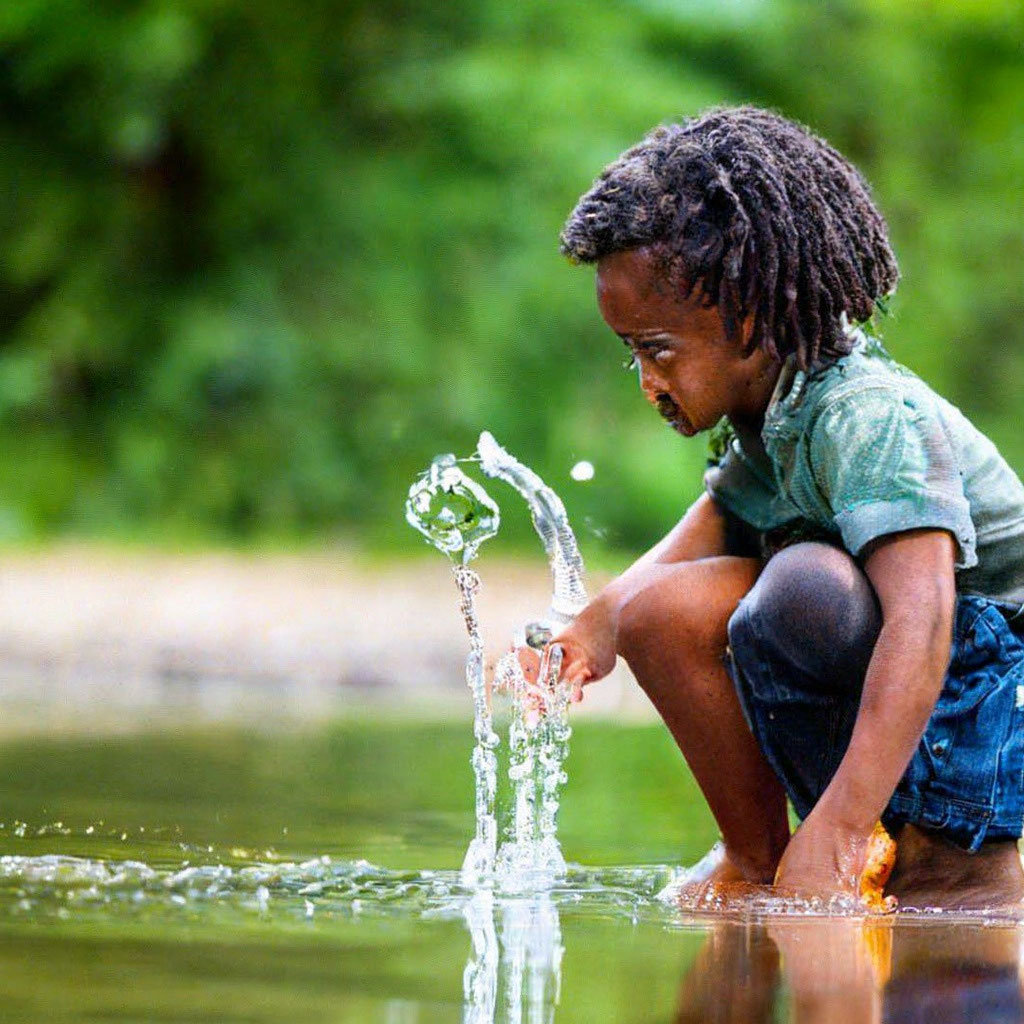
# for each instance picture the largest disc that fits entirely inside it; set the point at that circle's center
(912, 574)
(591, 642)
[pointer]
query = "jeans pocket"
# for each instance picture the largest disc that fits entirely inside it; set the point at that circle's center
(984, 646)
(960, 749)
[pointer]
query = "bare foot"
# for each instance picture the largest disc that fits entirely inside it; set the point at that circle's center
(932, 872)
(716, 872)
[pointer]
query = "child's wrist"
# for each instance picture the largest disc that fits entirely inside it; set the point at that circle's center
(845, 815)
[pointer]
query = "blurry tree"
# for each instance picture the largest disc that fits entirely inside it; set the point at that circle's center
(258, 263)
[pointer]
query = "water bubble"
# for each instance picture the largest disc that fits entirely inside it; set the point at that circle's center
(451, 510)
(582, 471)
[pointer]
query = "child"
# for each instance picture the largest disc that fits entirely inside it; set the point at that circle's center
(840, 617)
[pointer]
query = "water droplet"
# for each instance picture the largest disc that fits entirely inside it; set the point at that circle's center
(582, 471)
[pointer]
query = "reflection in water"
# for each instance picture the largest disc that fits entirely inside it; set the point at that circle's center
(514, 971)
(848, 971)
(734, 979)
(804, 969)
(753, 967)
(972, 974)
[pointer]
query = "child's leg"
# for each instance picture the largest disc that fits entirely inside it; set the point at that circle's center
(673, 635)
(931, 872)
(801, 640)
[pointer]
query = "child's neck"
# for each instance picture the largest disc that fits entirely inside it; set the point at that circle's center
(748, 433)
(749, 422)
(748, 418)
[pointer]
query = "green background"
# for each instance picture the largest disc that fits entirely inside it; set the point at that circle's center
(258, 264)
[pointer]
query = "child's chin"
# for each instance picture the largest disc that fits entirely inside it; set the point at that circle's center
(681, 425)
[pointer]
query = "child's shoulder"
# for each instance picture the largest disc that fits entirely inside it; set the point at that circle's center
(867, 367)
(866, 386)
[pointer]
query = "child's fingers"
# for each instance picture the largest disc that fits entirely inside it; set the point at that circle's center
(575, 680)
(529, 662)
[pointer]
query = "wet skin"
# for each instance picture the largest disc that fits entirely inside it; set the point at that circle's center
(667, 616)
(689, 369)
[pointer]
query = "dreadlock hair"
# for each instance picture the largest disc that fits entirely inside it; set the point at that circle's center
(765, 216)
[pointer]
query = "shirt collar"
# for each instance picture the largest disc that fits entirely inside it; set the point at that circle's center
(786, 385)
(790, 384)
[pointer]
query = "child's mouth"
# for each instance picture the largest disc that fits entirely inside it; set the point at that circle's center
(667, 408)
(669, 411)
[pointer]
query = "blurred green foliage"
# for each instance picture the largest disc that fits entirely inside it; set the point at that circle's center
(259, 263)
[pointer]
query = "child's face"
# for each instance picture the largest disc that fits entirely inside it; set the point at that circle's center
(689, 369)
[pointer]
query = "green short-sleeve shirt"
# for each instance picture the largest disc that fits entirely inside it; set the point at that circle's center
(864, 448)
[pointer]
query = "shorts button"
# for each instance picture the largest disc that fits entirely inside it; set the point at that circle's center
(939, 747)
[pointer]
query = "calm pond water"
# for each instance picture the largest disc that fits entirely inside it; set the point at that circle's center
(225, 876)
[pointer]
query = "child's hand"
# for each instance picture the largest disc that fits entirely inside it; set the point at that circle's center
(588, 649)
(589, 646)
(824, 858)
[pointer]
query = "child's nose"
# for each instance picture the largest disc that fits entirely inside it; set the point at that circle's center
(651, 385)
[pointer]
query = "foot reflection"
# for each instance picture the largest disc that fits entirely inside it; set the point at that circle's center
(959, 973)
(734, 978)
(847, 971)
(514, 970)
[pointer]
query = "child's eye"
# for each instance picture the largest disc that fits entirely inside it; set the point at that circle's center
(663, 356)
(630, 363)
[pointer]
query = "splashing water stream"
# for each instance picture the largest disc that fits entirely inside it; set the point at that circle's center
(480, 857)
(539, 732)
(456, 515)
(549, 520)
(516, 940)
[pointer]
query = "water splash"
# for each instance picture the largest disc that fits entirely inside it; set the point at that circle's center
(539, 732)
(451, 510)
(549, 520)
(456, 515)
(47, 886)
(538, 736)
(480, 857)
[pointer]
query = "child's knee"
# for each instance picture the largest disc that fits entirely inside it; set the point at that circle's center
(812, 609)
(686, 612)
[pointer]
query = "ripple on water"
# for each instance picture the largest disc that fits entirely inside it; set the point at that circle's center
(48, 884)
(56, 885)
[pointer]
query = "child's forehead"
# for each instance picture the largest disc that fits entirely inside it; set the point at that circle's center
(641, 267)
(636, 283)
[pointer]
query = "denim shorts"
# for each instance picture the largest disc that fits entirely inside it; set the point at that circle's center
(966, 778)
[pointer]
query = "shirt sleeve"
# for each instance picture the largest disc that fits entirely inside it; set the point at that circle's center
(745, 490)
(885, 464)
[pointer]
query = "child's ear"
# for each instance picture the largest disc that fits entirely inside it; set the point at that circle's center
(747, 333)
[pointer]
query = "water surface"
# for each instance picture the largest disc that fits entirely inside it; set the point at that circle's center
(230, 876)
